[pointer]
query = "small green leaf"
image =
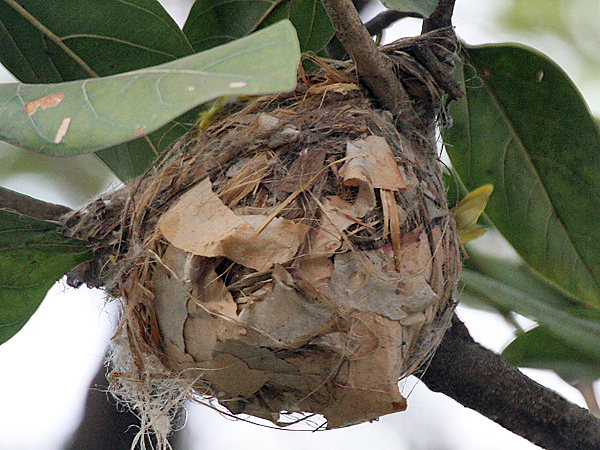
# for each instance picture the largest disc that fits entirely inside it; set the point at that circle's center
(33, 256)
(215, 22)
(423, 7)
(524, 128)
(88, 115)
(467, 212)
(539, 348)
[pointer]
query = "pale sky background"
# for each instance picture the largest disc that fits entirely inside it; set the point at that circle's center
(46, 367)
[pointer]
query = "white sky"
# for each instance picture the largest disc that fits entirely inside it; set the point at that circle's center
(46, 368)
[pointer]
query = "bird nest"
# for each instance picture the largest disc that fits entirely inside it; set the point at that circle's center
(296, 256)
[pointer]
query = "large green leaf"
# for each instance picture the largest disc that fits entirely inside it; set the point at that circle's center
(54, 41)
(87, 115)
(423, 7)
(215, 22)
(539, 348)
(524, 128)
(33, 256)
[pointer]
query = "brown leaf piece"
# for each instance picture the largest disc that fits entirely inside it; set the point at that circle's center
(373, 163)
(200, 223)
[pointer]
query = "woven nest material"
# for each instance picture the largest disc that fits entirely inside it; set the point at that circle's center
(296, 256)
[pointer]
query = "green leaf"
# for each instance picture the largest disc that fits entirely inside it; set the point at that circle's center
(423, 7)
(33, 256)
(54, 41)
(512, 287)
(43, 42)
(88, 115)
(215, 22)
(132, 158)
(539, 348)
(524, 128)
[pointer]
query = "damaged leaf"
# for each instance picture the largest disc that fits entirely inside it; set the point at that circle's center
(87, 38)
(33, 256)
(108, 111)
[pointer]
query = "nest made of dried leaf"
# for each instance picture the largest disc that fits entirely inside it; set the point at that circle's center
(296, 256)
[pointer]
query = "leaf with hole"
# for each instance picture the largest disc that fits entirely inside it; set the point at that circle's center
(215, 22)
(524, 128)
(87, 115)
(33, 256)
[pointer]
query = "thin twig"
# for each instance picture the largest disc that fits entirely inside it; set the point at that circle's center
(441, 17)
(386, 18)
(23, 204)
(374, 69)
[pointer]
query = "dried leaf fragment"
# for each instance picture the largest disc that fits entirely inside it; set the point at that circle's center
(170, 297)
(286, 318)
(372, 161)
(200, 223)
(361, 283)
(392, 224)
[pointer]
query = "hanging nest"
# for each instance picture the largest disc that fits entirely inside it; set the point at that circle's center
(297, 256)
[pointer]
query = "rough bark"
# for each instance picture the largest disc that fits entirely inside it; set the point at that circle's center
(386, 18)
(482, 380)
(375, 70)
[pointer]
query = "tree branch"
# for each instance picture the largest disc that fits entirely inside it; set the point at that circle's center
(386, 18)
(441, 17)
(30, 206)
(482, 380)
(375, 70)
